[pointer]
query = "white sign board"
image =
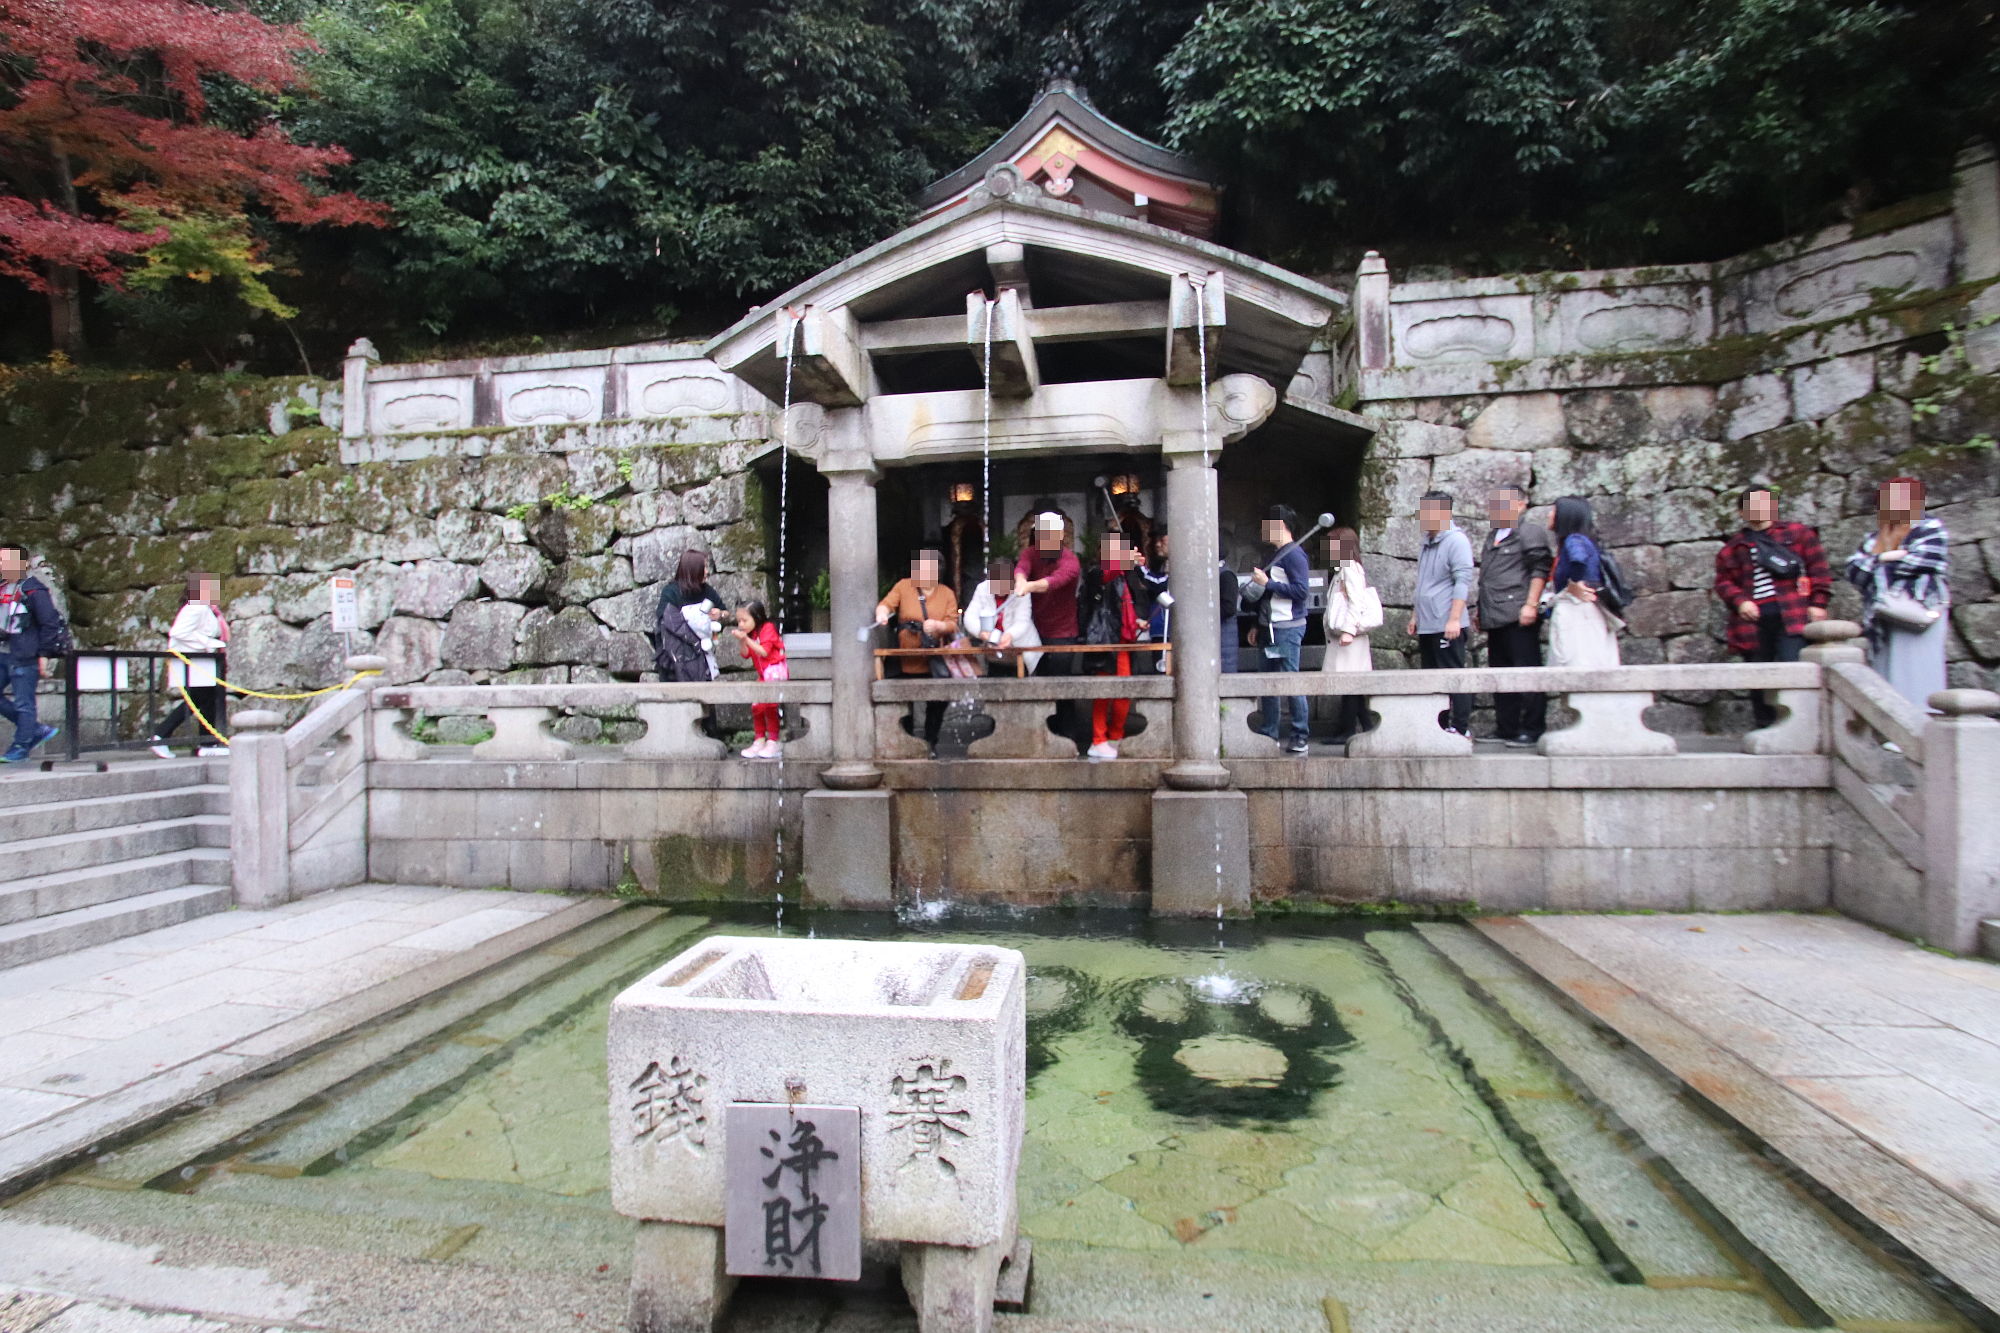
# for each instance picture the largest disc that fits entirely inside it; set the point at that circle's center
(346, 606)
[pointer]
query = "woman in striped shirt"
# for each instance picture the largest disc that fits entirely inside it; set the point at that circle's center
(1907, 555)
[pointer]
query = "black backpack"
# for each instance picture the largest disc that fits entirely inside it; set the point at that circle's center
(1616, 593)
(677, 651)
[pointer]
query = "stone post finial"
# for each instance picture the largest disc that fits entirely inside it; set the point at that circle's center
(367, 662)
(1975, 209)
(1965, 703)
(361, 357)
(1830, 641)
(1371, 312)
(257, 719)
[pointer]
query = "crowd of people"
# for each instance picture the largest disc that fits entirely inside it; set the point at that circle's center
(1046, 610)
(1771, 575)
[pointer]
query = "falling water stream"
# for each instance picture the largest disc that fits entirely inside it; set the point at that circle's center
(1221, 981)
(784, 591)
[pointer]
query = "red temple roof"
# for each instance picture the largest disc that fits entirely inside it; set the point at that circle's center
(1069, 148)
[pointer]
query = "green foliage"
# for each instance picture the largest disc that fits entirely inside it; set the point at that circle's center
(587, 151)
(1948, 374)
(564, 500)
(594, 171)
(820, 595)
(1598, 130)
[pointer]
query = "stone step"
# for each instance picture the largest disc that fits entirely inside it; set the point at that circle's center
(44, 896)
(31, 857)
(82, 815)
(1822, 1270)
(29, 785)
(66, 932)
(378, 1059)
(1989, 938)
(1639, 1229)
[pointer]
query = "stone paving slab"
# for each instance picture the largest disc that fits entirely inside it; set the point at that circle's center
(107, 1037)
(1899, 1116)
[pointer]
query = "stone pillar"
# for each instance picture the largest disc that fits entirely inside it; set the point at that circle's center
(260, 825)
(1961, 777)
(1976, 211)
(1976, 207)
(1201, 830)
(361, 358)
(1197, 619)
(852, 568)
(1371, 312)
(1828, 642)
(849, 846)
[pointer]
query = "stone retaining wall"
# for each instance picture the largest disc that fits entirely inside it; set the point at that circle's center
(530, 554)
(1819, 366)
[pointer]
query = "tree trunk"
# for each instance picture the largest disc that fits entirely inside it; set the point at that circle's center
(65, 284)
(66, 311)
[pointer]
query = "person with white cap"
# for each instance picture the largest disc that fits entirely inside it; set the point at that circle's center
(1049, 572)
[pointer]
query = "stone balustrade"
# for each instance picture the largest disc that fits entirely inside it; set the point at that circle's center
(672, 713)
(1854, 798)
(298, 797)
(1610, 704)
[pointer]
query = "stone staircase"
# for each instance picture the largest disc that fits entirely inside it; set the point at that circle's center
(87, 857)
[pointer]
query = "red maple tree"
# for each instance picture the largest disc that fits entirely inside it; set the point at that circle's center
(106, 144)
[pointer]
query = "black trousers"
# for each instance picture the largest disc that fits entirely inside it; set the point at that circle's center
(1072, 721)
(1773, 645)
(1435, 650)
(1350, 717)
(1517, 645)
(208, 698)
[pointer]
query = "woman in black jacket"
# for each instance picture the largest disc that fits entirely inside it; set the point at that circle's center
(682, 648)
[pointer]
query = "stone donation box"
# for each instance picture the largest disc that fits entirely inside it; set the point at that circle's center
(780, 1106)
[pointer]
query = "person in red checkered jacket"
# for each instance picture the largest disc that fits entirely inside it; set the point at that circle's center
(1773, 577)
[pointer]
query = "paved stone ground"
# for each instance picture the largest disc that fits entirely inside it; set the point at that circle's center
(95, 1040)
(1810, 1030)
(44, 1312)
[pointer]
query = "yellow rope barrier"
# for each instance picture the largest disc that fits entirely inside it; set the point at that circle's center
(245, 690)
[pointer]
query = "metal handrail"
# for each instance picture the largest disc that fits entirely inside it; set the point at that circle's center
(160, 695)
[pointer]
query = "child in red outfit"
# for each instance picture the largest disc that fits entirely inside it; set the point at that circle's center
(766, 650)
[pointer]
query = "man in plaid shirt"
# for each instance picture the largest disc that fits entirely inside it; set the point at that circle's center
(1772, 576)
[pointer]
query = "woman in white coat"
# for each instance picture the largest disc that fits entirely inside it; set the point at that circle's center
(197, 629)
(995, 618)
(1353, 608)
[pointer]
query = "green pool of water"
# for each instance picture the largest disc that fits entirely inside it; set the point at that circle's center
(1256, 1118)
(1280, 1096)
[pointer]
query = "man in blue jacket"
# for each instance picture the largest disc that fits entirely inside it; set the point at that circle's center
(1280, 595)
(31, 633)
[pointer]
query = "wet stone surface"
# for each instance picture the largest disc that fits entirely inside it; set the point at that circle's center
(1225, 1128)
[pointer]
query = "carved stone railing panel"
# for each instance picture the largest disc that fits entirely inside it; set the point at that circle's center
(523, 734)
(1608, 722)
(1408, 727)
(1800, 728)
(673, 731)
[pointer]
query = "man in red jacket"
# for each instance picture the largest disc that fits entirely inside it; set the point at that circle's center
(1049, 573)
(1772, 576)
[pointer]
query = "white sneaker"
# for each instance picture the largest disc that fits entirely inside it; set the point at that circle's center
(1102, 750)
(160, 750)
(754, 750)
(773, 750)
(212, 752)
